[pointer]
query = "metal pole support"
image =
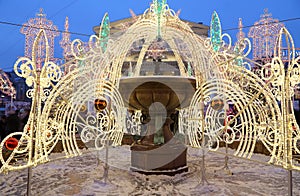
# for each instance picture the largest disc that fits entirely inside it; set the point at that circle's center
(29, 177)
(290, 182)
(106, 167)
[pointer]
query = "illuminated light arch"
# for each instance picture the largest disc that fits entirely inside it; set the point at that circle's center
(69, 107)
(248, 98)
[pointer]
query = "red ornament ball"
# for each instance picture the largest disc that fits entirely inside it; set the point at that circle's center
(11, 143)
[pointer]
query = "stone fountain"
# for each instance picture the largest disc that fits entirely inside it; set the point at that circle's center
(158, 97)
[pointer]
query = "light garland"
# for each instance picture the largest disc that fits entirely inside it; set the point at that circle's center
(6, 86)
(68, 110)
(31, 30)
(264, 34)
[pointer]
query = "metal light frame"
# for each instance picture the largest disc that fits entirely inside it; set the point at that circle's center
(67, 110)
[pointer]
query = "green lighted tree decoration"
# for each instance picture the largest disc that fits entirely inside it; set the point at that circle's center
(215, 32)
(104, 32)
(238, 61)
(97, 44)
(159, 5)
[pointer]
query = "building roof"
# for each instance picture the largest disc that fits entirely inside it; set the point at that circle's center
(120, 25)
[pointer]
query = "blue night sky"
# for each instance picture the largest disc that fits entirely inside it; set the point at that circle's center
(84, 14)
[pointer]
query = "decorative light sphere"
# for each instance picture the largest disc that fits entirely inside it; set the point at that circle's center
(100, 104)
(11, 143)
(217, 104)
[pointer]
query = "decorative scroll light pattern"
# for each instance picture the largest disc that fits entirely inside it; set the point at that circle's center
(221, 48)
(31, 30)
(65, 43)
(68, 111)
(32, 148)
(242, 48)
(100, 41)
(133, 122)
(100, 127)
(244, 125)
(286, 77)
(285, 73)
(6, 86)
(36, 75)
(257, 115)
(264, 34)
(96, 45)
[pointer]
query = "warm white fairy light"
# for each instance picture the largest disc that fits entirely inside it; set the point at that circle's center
(65, 42)
(6, 86)
(69, 108)
(264, 34)
(32, 142)
(31, 30)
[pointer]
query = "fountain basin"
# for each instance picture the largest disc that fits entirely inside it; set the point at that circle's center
(172, 92)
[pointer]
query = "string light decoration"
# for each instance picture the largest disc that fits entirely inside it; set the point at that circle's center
(65, 42)
(258, 115)
(286, 77)
(69, 109)
(126, 25)
(35, 143)
(239, 45)
(105, 31)
(31, 30)
(156, 50)
(70, 62)
(264, 34)
(159, 5)
(6, 86)
(215, 32)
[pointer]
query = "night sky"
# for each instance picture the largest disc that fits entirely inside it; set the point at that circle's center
(84, 14)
